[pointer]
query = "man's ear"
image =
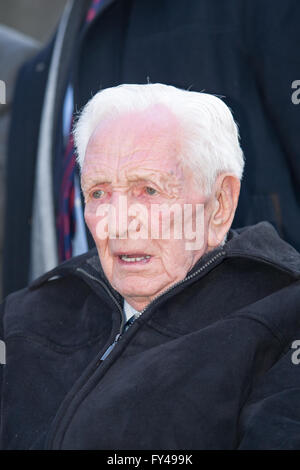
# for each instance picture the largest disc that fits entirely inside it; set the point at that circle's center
(224, 201)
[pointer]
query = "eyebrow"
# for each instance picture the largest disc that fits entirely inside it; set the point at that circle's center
(100, 181)
(144, 175)
(148, 175)
(93, 181)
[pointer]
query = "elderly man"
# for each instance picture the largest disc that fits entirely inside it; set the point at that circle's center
(175, 332)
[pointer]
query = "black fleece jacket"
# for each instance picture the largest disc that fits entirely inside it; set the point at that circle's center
(208, 365)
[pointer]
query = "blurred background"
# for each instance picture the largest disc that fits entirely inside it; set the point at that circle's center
(35, 18)
(25, 26)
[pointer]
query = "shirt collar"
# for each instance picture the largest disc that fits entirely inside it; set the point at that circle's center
(129, 310)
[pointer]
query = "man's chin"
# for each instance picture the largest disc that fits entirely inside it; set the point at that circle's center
(136, 290)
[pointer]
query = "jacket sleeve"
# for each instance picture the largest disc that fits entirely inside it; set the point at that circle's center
(270, 419)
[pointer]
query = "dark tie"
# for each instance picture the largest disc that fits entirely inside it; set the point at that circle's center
(66, 221)
(129, 322)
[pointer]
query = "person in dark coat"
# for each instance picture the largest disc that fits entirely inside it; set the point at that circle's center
(15, 48)
(243, 50)
(174, 332)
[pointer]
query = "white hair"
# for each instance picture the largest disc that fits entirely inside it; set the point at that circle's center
(211, 139)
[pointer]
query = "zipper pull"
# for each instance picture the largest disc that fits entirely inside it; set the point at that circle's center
(110, 348)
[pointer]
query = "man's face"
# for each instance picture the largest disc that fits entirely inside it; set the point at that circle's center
(134, 158)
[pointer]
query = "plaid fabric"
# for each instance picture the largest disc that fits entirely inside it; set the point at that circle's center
(92, 12)
(66, 216)
(66, 220)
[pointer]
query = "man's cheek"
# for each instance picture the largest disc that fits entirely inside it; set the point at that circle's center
(93, 225)
(89, 220)
(92, 217)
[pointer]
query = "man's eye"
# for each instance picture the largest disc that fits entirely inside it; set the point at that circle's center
(97, 194)
(150, 191)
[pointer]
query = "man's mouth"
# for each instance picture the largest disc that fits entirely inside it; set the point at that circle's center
(134, 258)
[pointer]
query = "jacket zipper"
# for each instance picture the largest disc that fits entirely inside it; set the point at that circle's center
(121, 332)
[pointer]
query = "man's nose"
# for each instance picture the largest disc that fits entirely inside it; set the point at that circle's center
(118, 217)
(126, 215)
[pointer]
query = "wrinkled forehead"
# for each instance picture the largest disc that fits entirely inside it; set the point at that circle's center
(150, 135)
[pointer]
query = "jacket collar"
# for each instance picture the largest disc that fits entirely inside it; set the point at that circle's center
(262, 243)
